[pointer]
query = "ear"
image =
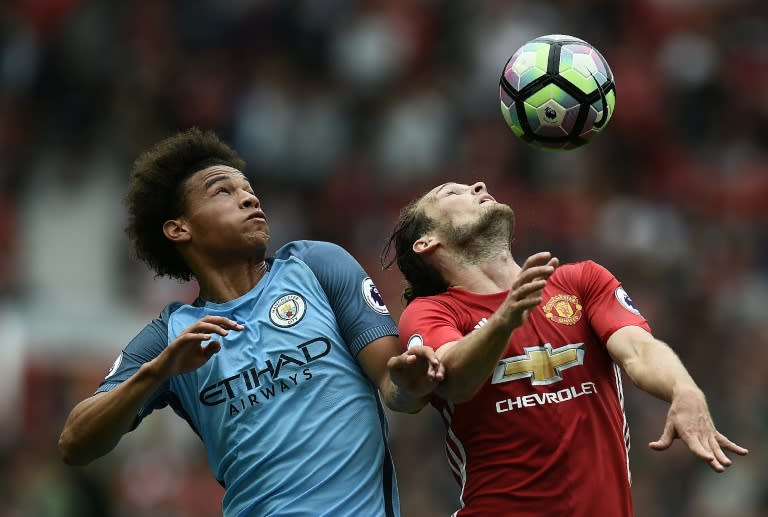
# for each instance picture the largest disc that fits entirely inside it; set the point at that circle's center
(425, 244)
(176, 230)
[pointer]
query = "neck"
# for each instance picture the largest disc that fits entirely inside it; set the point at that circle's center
(220, 285)
(493, 274)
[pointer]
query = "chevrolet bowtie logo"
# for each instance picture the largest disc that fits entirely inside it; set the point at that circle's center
(541, 363)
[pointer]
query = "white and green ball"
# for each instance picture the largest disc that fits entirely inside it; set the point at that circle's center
(557, 92)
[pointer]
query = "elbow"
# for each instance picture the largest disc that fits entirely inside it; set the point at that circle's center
(66, 449)
(410, 409)
(70, 452)
(457, 391)
(461, 396)
(460, 383)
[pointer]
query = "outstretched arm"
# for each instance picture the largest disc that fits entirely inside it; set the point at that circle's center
(95, 425)
(470, 360)
(406, 379)
(655, 368)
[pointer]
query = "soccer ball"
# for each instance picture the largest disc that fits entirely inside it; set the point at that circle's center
(557, 92)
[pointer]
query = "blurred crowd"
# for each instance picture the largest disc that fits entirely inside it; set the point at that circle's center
(345, 110)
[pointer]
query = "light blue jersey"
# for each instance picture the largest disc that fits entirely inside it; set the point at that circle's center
(291, 424)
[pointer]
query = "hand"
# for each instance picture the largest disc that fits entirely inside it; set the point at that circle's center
(416, 371)
(186, 353)
(525, 293)
(688, 418)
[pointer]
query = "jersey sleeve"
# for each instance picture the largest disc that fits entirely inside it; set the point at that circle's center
(428, 322)
(359, 308)
(147, 345)
(607, 304)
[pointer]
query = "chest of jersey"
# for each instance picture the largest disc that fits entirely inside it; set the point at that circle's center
(554, 350)
(289, 353)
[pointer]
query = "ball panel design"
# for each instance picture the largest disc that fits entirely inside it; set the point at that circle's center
(557, 92)
(526, 65)
(554, 92)
(510, 116)
(559, 38)
(581, 69)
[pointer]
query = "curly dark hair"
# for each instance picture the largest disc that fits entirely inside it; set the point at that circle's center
(421, 278)
(155, 193)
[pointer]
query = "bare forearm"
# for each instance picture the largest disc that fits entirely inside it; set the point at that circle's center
(470, 361)
(650, 363)
(400, 400)
(661, 373)
(95, 425)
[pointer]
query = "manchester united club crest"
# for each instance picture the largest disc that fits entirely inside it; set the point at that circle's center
(287, 310)
(563, 308)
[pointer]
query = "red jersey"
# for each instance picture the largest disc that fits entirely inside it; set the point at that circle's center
(546, 434)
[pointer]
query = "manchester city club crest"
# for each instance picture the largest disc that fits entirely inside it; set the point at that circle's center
(287, 310)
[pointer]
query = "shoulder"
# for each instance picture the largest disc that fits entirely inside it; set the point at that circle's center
(311, 251)
(587, 278)
(436, 304)
(159, 325)
(169, 309)
(578, 267)
(581, 270)
(154, 336)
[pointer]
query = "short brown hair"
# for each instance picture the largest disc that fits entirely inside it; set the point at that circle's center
(155, 193)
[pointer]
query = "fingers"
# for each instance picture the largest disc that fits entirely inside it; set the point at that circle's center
(435, 369)
(212, 325)
(720, 461)
(425, 352)
(424, 357)
(724, 442)
(534, 273)
(707, 446)
(212, 348)
(665, 440)
(538, 266)
(702, 450)
(537, 259)
(530, 288)
(541, 259)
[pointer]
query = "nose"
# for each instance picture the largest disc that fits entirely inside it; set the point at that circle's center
(249, 200)
(479, 188)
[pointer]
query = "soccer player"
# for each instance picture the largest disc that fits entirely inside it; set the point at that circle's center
(278, 364)
(532, 398)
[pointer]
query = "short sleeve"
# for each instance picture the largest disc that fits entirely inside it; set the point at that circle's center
(358, 306)
(428, 322)
(147, 345)
(608, 306)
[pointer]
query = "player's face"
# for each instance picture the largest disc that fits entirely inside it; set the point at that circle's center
(469, 214)
(456, 204)
(223, 213)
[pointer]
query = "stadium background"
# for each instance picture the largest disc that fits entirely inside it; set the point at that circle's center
(344, 110)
